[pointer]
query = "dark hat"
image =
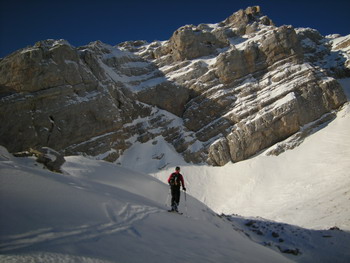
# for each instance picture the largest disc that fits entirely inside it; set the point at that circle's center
(177, 168)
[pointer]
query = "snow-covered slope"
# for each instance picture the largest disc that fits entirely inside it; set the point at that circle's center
(97, 212)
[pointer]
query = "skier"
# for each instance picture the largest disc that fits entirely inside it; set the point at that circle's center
(175, 181)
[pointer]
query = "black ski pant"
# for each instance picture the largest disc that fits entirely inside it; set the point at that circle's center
(175, 196)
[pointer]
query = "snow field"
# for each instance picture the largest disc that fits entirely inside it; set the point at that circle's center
(99, 212)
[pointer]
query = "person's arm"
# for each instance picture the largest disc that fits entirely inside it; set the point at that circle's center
(183, 183)
(169, 178)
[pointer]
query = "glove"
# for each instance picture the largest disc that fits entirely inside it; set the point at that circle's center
(183, 188)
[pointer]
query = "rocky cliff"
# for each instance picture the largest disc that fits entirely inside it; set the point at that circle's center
(216, 92)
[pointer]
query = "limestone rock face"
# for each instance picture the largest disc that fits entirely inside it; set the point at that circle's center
(235, 63)
(245, 21)
(216, 92)
(166, 96)
(190, 42)
(59, 100)
(331, 53)
(280, 44)
(41, 67)
(219, 152)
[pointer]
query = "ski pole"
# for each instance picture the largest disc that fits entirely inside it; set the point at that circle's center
(186, 204)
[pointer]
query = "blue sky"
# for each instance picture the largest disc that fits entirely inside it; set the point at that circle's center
(22, 23)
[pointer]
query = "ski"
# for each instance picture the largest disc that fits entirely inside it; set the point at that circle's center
(175, 212)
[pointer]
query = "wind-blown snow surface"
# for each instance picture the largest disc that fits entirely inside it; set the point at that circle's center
(98, 212)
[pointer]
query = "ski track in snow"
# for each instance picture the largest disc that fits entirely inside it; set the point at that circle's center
(119, 221)
(49, 258)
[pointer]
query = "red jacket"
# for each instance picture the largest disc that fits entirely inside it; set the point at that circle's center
(180, 177)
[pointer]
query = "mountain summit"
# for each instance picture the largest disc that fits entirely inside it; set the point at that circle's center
(216, 92)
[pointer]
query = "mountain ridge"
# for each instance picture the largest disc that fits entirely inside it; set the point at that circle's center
(216, 92)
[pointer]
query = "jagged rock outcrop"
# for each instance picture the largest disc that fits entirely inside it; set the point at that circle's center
(330, 53)
(218, 93)
(252, 94)
(60, 100)
(190, 42)
(246, 21)
(77, 100)
(50, 158)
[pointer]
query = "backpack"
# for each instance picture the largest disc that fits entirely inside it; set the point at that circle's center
(174, 179)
